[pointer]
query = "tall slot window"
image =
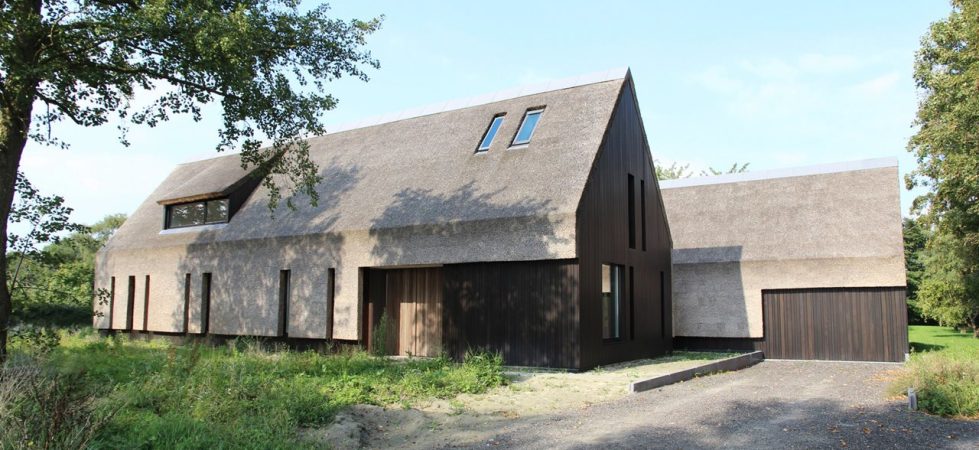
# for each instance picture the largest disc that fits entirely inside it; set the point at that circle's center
(487, 141)
(642, 211)
(284, 303)
(527, 126)
(112, 300)
(187, 303)
(632, 303)
(632, 211)
(205, 303)
(612, 281)
(331, 284)
(146, 302)
(662, 304)
(130, 303)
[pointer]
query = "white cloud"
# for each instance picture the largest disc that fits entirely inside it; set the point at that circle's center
(820, 63)
(880, 85)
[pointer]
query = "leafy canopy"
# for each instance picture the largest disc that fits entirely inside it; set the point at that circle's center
(266, 62)
(947, 149)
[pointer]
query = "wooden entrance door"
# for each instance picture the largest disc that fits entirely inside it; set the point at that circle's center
(415, 296)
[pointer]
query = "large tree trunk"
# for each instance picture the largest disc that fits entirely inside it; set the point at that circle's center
(15, 122)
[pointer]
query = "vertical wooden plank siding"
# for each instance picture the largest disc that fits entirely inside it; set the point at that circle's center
(606, 223)
(417, 295)
(527, 311)
(848, 324)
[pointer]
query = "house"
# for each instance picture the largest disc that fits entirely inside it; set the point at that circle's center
(527, 222)
(803, 263)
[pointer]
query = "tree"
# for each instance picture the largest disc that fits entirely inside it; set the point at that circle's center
(265, 62)
(677, 170)
(915, 239)
(55, 284)
(946, 146)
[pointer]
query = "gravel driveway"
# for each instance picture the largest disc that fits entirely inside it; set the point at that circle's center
(775, 404)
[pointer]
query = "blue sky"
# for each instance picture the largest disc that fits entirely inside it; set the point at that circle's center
(775, 84)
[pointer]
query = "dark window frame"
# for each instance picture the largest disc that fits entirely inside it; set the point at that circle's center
(284, 291)
(168, 213)
(146, 303)
(642, 211)
(130, 303)
(619, 285)
(206, 280)
(480, 148)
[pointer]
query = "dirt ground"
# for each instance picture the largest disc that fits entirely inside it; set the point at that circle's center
(472, 419)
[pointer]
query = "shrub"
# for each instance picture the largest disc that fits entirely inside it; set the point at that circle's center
(946, 384)
(39, 409)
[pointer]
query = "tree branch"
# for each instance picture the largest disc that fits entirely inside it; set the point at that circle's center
(61, 107)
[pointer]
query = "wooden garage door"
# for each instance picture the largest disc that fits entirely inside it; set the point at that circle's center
(847, 324)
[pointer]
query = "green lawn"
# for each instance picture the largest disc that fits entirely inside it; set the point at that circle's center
(929, 338)
(944, 371)
(240, 395)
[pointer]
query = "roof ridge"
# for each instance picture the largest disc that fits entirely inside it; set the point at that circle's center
(845, 166)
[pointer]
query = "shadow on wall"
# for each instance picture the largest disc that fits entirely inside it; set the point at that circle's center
(517, 306)
(708, 292)
(245, 273)
(420, 227)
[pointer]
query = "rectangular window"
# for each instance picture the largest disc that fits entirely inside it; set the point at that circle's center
(662, 304)
(484, 145)
(205, 303)
(331, 284)
(130, 302)
(112, 300)
(527, 127)
(146, 302)
(632, 303)
(187, 303)
(284, 303)
(632, 211)
(612, 281)
(197, 213)
(642, 211)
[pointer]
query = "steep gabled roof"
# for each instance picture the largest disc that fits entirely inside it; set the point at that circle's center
(413, 171)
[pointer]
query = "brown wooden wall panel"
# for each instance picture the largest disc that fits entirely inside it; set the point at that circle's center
(417, 294)
(603, 222)
(847, 324)
(526, 310)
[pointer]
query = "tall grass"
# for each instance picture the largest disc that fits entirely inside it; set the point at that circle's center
(245, 395)
(944, 372)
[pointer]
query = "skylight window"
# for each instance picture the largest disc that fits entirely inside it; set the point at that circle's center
(527, 127)
(490, 133)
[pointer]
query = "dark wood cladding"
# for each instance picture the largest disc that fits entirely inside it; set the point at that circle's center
(840, 324)
(848, 324)
(526, 311)
(603, 237)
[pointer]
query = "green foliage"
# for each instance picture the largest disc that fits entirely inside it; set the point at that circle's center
(915, 238)
(39, 409)
(244, 395)
(677, 170)
(949, 290)
(944, 371)
(947, 75)
(54, 285)
(380, 336)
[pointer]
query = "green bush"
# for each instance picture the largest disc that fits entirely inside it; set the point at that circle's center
(245, 395)
(945, 384)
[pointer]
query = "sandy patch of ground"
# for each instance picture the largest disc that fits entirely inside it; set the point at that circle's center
(468, 419)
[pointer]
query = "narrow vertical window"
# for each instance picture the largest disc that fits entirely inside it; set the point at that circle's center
(632, 211)
(330, 293)
(642, 211)
(284, 303)
(130, 303)
(112, 300)
(662, 304)
(205, 303)
(527, 127)
(146, 303)
(611, 301)
(632, 303)
(487, 141)
(187, 303)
